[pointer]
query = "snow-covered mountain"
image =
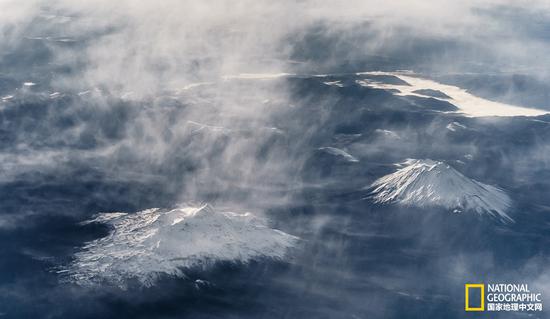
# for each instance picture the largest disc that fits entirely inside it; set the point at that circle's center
(146, 244)
(427, 183)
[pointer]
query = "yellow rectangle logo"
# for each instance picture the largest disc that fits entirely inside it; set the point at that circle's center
(467, 288)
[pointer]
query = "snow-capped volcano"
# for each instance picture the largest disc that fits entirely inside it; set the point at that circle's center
(154, 241)
(425, 183)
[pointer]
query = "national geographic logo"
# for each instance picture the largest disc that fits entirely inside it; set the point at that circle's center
(501, 297)
(468, 301)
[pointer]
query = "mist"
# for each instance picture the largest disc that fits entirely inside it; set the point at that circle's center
(150, 59)
(265, 107)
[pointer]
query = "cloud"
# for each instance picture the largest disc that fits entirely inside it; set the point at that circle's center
(144, 88)
(151, 46)
(152, 111)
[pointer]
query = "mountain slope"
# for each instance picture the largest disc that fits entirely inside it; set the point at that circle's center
(428, 183)
(151, 242)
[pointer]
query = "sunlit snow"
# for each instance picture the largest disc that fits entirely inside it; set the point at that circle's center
(152, 242)
(428, 183)
(468, 103)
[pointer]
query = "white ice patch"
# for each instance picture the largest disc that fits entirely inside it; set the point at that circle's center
(153, 242)
(455, 126)
(387, 133)
(194, 85)
(334, 83)
(257, 76)
(468, 103)
(340, 153)
(427, 183)
(55, 95)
